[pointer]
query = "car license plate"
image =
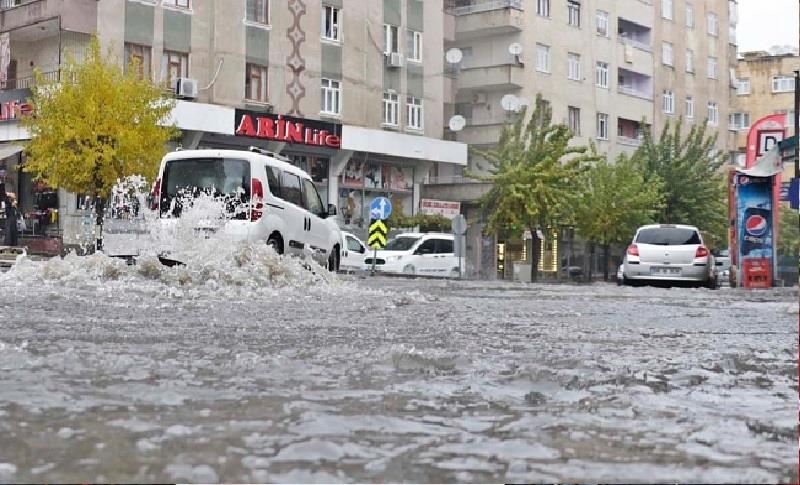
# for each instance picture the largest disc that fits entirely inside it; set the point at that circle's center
(664, 271)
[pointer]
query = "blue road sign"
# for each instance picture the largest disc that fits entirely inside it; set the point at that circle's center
(380, 208)
(794, 193)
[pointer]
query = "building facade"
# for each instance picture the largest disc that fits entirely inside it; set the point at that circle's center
(351, 91)
(606, 68)
(765, 86)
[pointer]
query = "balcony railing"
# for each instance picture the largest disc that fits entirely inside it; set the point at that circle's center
(485, 6)
(631, 91)
(27, 82)
(636, 43)
(452, 179)
(7, 4)
(629, 141)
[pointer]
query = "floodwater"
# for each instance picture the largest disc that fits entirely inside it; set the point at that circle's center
(247, 367)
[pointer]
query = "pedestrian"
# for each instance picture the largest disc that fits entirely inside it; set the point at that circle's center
(11, 229)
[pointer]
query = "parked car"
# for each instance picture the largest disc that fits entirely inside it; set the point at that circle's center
(669, 253)
(353, 251)
(417, 254)
(266, 199)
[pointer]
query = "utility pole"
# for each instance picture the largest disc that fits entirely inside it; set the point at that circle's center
(796, 122)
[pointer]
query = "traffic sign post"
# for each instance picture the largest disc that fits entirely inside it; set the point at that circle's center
(378, 230)
(459, 227)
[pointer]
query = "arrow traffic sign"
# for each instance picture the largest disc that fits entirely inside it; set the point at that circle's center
(377, 234)
(380, 208)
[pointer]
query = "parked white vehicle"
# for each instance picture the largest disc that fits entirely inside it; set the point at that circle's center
(353, 251)
(417, 254)
(267, 199)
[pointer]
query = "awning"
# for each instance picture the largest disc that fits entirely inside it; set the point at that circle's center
(9, 150)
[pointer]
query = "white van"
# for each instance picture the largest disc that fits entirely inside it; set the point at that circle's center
(353, 252)
(417, 254)
(267, 199)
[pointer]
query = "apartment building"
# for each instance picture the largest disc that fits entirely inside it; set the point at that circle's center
(352, 91)
(606, 67)
(765, 86)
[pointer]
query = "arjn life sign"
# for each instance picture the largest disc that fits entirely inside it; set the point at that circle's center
(288, 129)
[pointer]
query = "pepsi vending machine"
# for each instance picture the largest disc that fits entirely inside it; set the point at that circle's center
(754, 231)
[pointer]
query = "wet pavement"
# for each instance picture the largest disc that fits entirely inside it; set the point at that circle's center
(110, 373)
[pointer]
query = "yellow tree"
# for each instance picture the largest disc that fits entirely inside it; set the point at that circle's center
(97, 125)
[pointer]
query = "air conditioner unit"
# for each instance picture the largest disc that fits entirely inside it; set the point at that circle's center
(185, 87)
(394, 59)
(480, 98)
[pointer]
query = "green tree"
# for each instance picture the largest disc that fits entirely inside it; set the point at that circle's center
(687, 168)
(532, 171)
(97, 126)
(789, 239)
(616, 201)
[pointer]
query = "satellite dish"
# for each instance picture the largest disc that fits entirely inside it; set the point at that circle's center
(454, 55)
(515, 49)
(457, 123)
(509, 102)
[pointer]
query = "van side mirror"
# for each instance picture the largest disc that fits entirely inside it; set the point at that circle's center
(331, 209)
(362, 249)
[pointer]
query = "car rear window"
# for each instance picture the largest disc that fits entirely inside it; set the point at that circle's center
(668, 236)
(225, 178)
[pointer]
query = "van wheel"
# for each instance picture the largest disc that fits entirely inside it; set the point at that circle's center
(409, 269)
(455, 273)
(276, 243)
(333, 260)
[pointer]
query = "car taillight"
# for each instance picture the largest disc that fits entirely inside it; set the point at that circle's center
(256, 200)
(156, 195)
(701, 252)
(633, 250)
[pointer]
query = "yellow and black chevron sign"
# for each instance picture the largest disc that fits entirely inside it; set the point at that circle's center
(377, 233)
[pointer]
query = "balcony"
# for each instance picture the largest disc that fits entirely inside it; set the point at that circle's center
(635, 92)
(494, 78)
(630, 133)
(27, 82)
(75, 15)
(629, 141)
(488, 18)
(634, 56)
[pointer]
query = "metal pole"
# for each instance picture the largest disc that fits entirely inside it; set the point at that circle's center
(796, 122)
(374, 257)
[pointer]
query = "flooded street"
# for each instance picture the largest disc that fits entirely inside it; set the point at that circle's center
(267, 373)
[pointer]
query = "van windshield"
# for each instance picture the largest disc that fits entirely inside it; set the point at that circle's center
(668, 236)
(224, 178)
(402, 243)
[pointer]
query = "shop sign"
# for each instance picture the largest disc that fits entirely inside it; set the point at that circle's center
(287, 129)
(14, 103)
(445, 208)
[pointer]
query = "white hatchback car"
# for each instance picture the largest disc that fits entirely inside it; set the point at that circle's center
(417, 254)
(267, 199)
(669, 253)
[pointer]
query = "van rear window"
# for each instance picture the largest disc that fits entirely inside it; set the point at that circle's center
(225, 178)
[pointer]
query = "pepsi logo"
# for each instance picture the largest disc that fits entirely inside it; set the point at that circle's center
(756, 225)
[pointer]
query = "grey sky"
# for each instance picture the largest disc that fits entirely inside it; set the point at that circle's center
(764, 23)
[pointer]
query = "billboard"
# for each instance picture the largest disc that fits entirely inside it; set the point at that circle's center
(755, 230)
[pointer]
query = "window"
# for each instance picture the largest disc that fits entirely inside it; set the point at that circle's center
(273, 177)
(543, 8)
(391, 109)
(427, 247)
(291, 189)
(331, 26)
(258, 11)
(789, 116)
(601, 78)
(574, 119)
(602, 126)
(713, 24)
(739, 121)
(175, 65)
(177, 3)
(713, 113)
(712, 67)
(542, 58)
(574, 66)
(444, 246)
(743, 87)
(666, 53)
(255, 83)
(689, 60)
(140, 55)
(668, 101)
(602, 23)
(782, 84)
(574, 13)
(414, 48)
(391, 39)
(689, 107)
(666, 9)
(331, 97)
(689, 16)
(353, 244)
(414, 106)
(313, 202)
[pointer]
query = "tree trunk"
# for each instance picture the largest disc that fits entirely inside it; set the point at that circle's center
(591, 261)
(606, 250)
(99, 207)
(534, 256)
